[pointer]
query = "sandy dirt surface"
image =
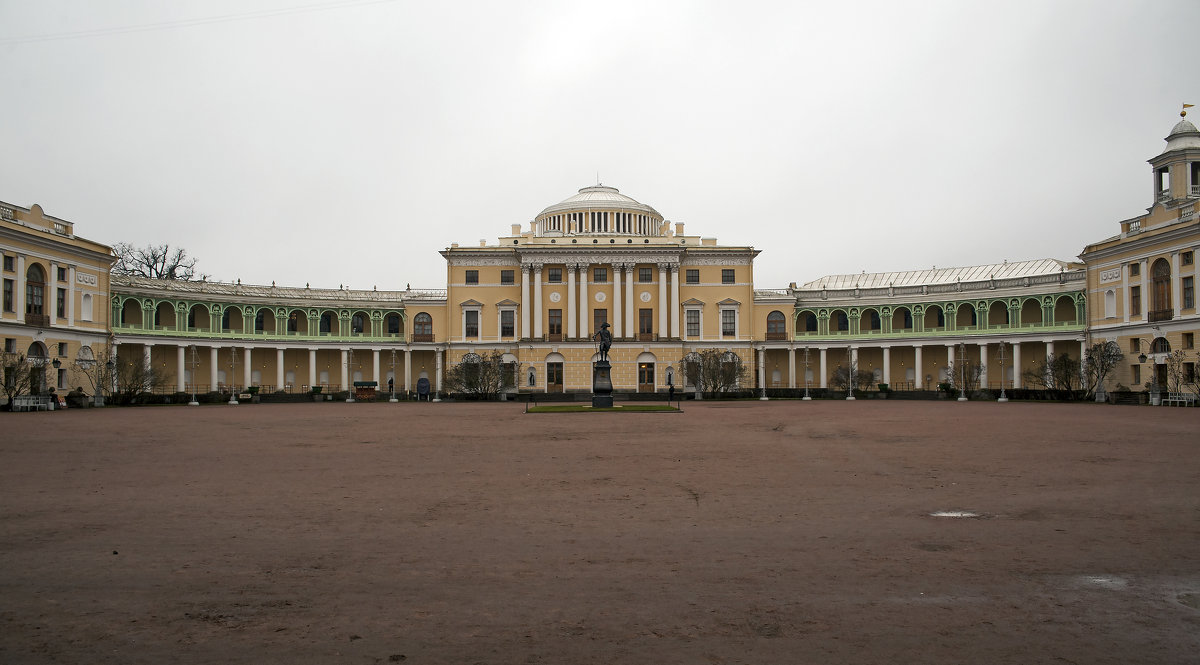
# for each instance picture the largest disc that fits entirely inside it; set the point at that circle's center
(742, 532)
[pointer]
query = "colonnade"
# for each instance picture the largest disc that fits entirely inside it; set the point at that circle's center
(989, 356)
(251, 354)
(622, 317)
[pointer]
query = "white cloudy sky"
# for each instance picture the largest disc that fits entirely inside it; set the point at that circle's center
(348, 141)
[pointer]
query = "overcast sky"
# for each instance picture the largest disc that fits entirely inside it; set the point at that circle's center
(346, 142)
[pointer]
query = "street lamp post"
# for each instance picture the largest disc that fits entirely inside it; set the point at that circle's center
(392, 381)
(849, 374)
(233, 376)
(193, 381)
(962, 371)
(350, 375)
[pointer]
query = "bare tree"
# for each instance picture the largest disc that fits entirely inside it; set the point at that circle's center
(95, 370)
(968, 372)
(841, 377)
(1059, 375)
(1179, 379)
(18, 372)
(481, 376)
(714, 371)
(1098, 363)
(154, 261)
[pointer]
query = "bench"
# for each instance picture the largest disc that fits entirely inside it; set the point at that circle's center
(1181, 399)
(31, 403)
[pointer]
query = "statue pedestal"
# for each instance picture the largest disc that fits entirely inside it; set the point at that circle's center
(602, 385)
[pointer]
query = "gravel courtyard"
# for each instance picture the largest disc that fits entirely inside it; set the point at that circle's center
(735, 532)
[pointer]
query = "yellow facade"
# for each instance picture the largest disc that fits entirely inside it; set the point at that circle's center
(56, 288)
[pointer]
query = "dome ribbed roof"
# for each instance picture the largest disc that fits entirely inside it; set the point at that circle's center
(1183, 135)
(599, 197)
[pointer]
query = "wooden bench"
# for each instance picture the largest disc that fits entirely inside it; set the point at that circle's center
(31, 403)
(1180, 399)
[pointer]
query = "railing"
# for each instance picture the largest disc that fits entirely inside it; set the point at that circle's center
(777, 336)
(39, 320)
(1164, 196)
(234, 333)
(908, 333)
(1194, 191)
(1135, 227)
(1160, 314)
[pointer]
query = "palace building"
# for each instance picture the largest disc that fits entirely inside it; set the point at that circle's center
(56, 293)
(538, 295)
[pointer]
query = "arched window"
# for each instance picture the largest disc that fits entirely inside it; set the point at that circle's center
(35, 289)
(423, 328)
(357, 324)
(1160, 345)
(776, 325)
(326, 323)
(393, 324)
(809, 321)
(839, 321)
(1160, 291)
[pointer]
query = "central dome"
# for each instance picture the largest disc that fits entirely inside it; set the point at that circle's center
(599, 197)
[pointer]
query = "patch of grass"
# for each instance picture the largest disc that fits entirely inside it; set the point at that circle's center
(583, 408)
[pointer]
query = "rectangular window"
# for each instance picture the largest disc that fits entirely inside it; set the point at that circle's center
(555, 275)
(62, 274)
(507, 277)
(8, 263)
(471, 328)
(692, 275)
(472, 277)
(8, 295)
(599, 318)
(1189, 372)
(62, 349)
(556, 322)
(1189, 292)
(727, 275)
(508, 323)
(1189, 340)
(10, 345)
(1187, 258)
(62, 303)
(728, 323)
(62, 377)
(1135, 269)
(1137, 375)
(1135, 300)
(645, 275)
(693, 322)
(600, 275)
(645, 321)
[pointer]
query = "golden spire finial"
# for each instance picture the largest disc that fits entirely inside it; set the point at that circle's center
(1183, 113)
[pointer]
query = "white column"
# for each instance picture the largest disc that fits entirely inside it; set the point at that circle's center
(887, 365)
(1146, 290)
(280, 379)
(662, 300)
(181, 377)
(630, 318)
(71, 297)
(585, 304)
(675, 301)
(762, 373)
(212, 369)
(983, 364)
(525, 303)
(375, 367)
(312, 367)
(246, 367)
(824, 374)
(571, 315)
(1126, 283)
(919, 373)
(1176, 285)
(616, 300)
(437, 355)
(537, 305)
(407, 371)
(19, 296)
(1049, 357)
(949, 358)
(146, 347)
(792, 367)
(345, 370)
(1016, 364)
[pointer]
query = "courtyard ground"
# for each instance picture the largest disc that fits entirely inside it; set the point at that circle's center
(738, 532)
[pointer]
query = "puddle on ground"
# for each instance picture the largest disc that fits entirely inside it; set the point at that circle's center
(955, 513)
(1104, 581)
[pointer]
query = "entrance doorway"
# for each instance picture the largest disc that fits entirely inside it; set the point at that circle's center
(554, 377)
(645, 377)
